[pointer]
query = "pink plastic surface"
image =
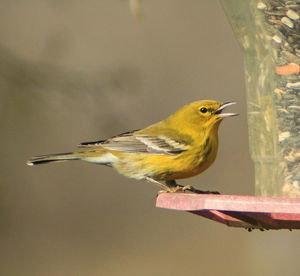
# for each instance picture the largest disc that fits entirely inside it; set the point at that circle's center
(237, 211)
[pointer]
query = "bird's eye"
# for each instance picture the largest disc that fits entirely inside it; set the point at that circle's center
(203, 109)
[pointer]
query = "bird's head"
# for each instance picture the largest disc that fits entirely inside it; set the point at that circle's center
(204, 114)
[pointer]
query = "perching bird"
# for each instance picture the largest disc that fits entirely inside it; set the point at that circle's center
(183, 145)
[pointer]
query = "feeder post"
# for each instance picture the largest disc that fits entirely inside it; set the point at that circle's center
(269, 34)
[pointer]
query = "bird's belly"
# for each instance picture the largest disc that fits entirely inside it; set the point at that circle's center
(189, 165)
(165, 166)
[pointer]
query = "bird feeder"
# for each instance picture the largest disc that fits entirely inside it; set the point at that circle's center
(269, 34)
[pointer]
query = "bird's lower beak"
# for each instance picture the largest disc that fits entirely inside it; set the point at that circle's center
(224, 115)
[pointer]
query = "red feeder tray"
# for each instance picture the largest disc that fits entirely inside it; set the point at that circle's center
(237, 211)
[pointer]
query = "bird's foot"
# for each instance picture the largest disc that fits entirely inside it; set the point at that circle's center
(182, 189)
(172, 187)
(189, 188)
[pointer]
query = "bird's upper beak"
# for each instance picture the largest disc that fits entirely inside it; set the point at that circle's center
(224, 115)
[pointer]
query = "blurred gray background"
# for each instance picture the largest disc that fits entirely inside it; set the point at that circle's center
(73, 71)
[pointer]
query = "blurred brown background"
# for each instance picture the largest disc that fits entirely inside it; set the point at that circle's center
(73, 71)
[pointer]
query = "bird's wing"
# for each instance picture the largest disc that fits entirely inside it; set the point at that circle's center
(143, 143)
(100, 143)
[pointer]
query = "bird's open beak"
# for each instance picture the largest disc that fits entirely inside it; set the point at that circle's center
(224, 115)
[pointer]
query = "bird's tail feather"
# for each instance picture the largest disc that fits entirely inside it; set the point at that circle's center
(43, 159)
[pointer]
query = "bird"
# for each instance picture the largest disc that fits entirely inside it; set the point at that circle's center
(181, 146)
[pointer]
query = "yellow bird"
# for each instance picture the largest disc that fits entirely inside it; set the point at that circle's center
(183, 145)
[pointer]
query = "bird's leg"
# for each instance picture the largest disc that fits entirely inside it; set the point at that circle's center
(160, 185)
(169, 187)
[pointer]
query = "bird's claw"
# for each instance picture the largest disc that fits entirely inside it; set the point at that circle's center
(187, 188)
